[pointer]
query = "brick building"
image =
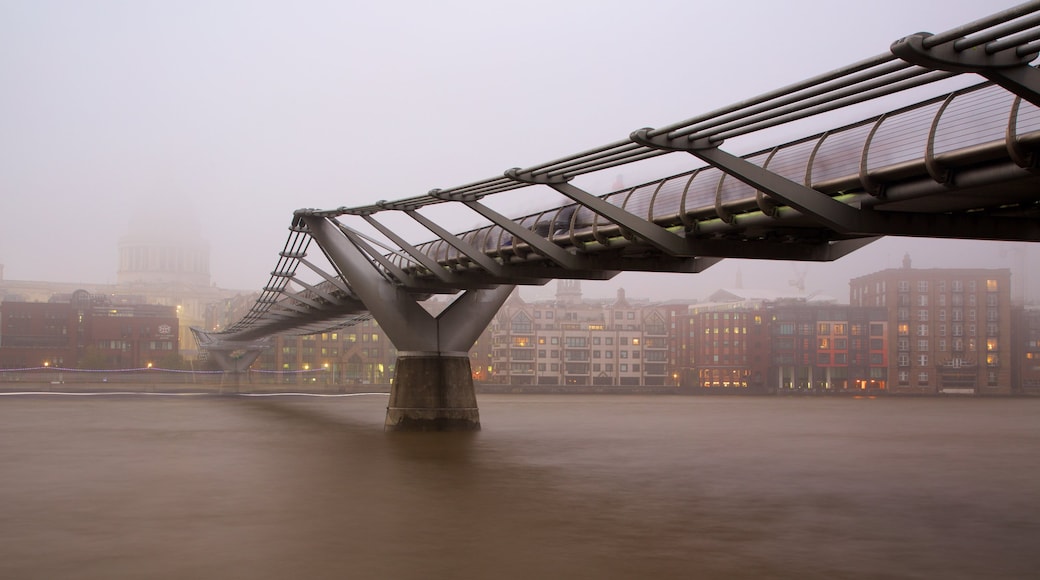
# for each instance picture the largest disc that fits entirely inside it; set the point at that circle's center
(81, 330)
(1025, 350)
(828, 348)
(952, 327)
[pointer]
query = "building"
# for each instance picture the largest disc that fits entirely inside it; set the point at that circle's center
(356, 355)
(828, 348)
(85, 331)
(952, 327)
(161, 262)
(1025, 350)
(573, 342)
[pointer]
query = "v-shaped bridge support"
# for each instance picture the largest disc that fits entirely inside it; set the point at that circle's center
(433, 382)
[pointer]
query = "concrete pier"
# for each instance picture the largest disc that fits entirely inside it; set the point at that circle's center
(432, 393)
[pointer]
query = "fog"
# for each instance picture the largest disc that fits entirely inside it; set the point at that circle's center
(229, 115)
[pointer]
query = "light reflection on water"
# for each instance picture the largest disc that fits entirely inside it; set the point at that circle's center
(554, 486)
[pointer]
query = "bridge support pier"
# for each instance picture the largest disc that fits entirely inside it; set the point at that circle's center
(433, 382)
(432, 393)
(234, 358)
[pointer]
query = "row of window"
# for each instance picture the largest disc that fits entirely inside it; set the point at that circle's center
(957, 315)
(830, 329)
(992, 344)
(957, 329)
(955, 285)
(579, 368)
(921, 360)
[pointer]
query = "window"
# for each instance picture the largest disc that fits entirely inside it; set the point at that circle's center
(922, 286)
(922, 360)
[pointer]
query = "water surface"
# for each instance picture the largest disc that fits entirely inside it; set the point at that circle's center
(554, 487)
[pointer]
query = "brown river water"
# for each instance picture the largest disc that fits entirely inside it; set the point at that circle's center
(555, 486)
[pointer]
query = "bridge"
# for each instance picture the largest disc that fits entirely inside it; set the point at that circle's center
(957, 163)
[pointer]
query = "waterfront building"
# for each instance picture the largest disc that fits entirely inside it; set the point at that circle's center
(950, 329)
(1025, 350)
(357, 355)
(80, 330)
(574, 342)
(828, 348)
(163, 262)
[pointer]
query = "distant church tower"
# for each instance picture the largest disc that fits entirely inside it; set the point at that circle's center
(568, 291)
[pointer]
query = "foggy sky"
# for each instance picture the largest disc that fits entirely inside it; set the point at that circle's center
(233, 114)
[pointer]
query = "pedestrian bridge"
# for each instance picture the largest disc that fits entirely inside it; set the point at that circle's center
(945, 162)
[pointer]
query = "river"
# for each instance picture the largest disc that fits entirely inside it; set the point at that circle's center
(555, 486)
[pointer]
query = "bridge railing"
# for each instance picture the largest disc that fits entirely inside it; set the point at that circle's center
(931, 139)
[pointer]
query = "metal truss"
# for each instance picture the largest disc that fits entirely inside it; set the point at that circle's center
(958, 165)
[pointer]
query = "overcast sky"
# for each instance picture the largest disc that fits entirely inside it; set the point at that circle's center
(234, 114)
